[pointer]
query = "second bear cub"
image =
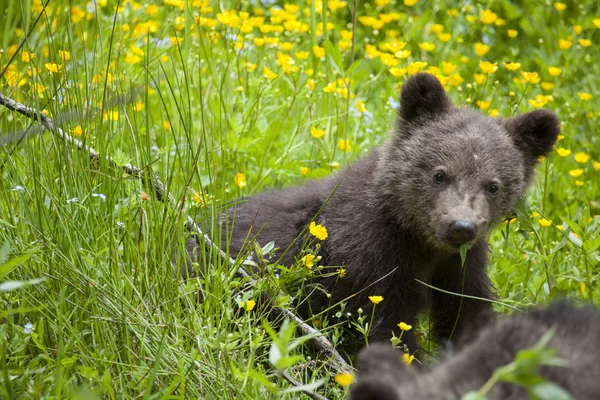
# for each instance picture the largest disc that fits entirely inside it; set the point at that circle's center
(447, 177)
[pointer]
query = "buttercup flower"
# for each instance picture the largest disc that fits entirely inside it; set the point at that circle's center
(344, 378)
(404, 326)
(318, 231)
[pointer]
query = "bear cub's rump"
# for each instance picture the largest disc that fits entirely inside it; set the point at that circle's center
(383, 376)
(445, 179)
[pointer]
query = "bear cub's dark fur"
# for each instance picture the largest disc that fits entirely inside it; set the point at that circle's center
(383, 376)
(446, 178)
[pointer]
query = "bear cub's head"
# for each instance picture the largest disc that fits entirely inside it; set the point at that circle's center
(452, 173)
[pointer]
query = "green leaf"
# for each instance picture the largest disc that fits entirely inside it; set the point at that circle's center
(12, 263)
(309, 387)
(591, 245)
(14, 285)
(335, 57)
(463, 253)
(548, 390)
(354, 66)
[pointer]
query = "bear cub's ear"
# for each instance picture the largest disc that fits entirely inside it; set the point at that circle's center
(423, 96)
(535, 133)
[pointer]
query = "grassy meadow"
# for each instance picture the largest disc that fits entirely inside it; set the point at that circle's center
(224, 99)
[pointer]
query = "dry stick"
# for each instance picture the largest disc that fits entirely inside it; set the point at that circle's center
(337, 362)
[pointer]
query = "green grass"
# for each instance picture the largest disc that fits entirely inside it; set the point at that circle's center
(112, 317)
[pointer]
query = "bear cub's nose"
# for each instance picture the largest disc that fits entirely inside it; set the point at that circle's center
(463, 231)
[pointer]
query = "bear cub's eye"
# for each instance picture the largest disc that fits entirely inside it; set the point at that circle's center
(493, 188)
(439, 177)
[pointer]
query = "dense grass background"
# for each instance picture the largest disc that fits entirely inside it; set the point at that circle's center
(226, 99)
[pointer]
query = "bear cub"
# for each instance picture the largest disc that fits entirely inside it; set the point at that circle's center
(401, 214)
(383, 376)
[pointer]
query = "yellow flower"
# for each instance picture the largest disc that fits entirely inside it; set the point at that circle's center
(270, 75)
(488, 67)
(448, 67)
(564, 44)
(444, 37)
(152, 9)
(330, 88)
(248, 305)
(240, 179)
(585, 42)
(310, 83)
(563, 152)
(344, 378)
(344, 145)
(318, 231)
(582, 288)
(376, 299)
(78, 131)
(52, 67)
(395, 47)
(596, 165)
(596, 22)
(316, 132)
(544, 222)
(308, 260)
(479, 78)
(484, 105)
(111, 115)
(382, 3)
(581, 157)
(403, 54)
(584, 96)
(410, 3)
(415, 67)
(166, 125)
(258, 42)
(560, 6)
(341, 272)
(513, 33)
(404, 326)
(286, 46)
(26, 56)
(398, 71)
(547, 85)
(512, 66)
(436, 28)
(407, 358)
(77, 14)
(481, 49)
(64, 55)
(554, 71)
(576, 173)
(360, 106)
(539, 101)
(577, 29)
(132, 58)
(530, 77)
(426, 46)
(302, 55)
(319, 51)
(488, 17)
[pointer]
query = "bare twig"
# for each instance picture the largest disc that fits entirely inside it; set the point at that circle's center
(335, 359)
(47, 123)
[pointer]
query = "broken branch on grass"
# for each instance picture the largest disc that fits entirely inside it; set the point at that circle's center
(32, 113)
(336, 360)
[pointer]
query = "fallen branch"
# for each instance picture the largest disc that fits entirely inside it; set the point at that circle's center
(322, 343)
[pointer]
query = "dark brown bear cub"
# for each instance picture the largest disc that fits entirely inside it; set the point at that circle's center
(383, 376)
(399, 215)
